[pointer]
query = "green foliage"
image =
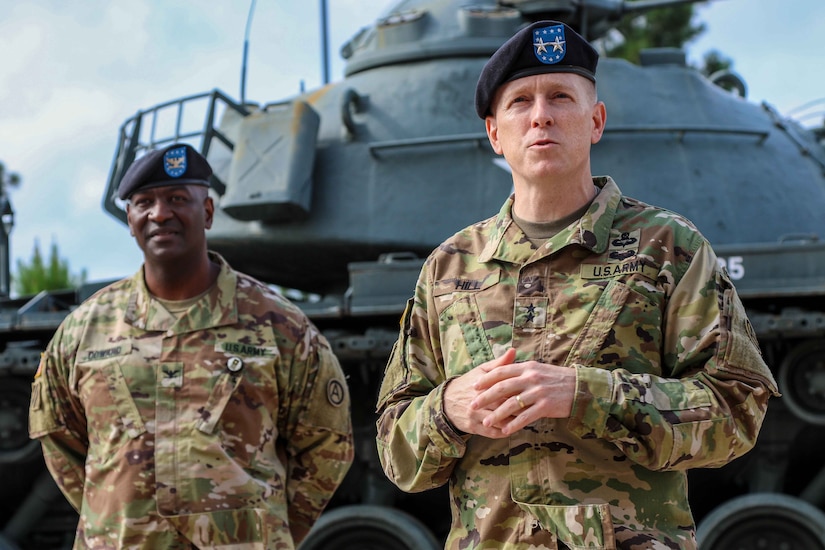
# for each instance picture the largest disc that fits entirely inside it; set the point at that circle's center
(39, 275)
(659, 28)
(715, 62)
(7, 179)
(671, 27)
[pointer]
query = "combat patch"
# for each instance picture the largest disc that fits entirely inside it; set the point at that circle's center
(40, 365)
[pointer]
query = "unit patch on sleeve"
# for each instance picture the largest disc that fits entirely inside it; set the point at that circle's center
(335, 392)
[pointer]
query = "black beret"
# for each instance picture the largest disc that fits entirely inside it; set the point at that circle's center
(542, 47)
(177, 164)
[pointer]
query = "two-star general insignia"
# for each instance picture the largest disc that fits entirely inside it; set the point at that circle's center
(530, 312)
(549, 44)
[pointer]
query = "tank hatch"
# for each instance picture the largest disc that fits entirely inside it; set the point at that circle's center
(426, 30)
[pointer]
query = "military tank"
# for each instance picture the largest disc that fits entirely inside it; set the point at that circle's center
(337, 195)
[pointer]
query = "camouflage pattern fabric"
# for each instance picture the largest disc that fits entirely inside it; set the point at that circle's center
(226, 428)
(669, 377)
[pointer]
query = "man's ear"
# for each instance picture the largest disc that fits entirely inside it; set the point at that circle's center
(129, 219)
(599, 120)
(209, 206)
(492, 133)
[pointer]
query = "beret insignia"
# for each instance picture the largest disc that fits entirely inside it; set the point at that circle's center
(549, 44)
(174, 162)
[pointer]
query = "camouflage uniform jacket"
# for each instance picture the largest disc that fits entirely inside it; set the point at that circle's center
(229, 426)
(669, 376)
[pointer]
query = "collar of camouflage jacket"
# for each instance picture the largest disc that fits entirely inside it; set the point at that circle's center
(507, 243)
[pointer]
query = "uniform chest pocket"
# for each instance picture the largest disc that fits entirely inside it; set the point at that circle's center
(110, 408)
(623, 330)
(467, 335)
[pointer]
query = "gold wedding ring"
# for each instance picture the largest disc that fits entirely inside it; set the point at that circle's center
(520, 402)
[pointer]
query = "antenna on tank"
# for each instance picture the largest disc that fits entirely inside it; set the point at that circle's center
(324, 45)
(246, 51)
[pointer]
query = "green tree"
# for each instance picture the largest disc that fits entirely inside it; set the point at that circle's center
(715, 62)
(672, 27)
(718, 68)
(7, 179)
(659, 28)
(39, 275)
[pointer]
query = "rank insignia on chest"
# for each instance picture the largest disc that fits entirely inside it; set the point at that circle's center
(171, 376)
(530, 313)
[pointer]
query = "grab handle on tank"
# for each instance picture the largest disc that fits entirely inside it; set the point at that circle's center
(800, 237)
(350, 102)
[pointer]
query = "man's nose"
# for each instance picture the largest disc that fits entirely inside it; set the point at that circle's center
(160, 211)
(542, 115)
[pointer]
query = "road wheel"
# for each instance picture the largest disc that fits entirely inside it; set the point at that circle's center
(367, 527)
(763, 520)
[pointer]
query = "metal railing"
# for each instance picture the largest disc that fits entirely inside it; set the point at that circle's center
(142, 133)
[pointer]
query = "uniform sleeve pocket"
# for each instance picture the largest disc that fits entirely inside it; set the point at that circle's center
(738, 347)
(42, 419)
(689, 401)
(329, 400)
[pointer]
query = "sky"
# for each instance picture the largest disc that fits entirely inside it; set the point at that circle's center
(72, 72)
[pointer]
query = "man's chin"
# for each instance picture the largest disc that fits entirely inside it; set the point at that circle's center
(162, 254)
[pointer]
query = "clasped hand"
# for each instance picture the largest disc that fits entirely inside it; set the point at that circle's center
(500, 397)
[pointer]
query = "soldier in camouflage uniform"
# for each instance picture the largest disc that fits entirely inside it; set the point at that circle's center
(189, 406)
(562, 364)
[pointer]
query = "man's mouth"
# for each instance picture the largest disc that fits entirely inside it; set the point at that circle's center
(161, 233)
